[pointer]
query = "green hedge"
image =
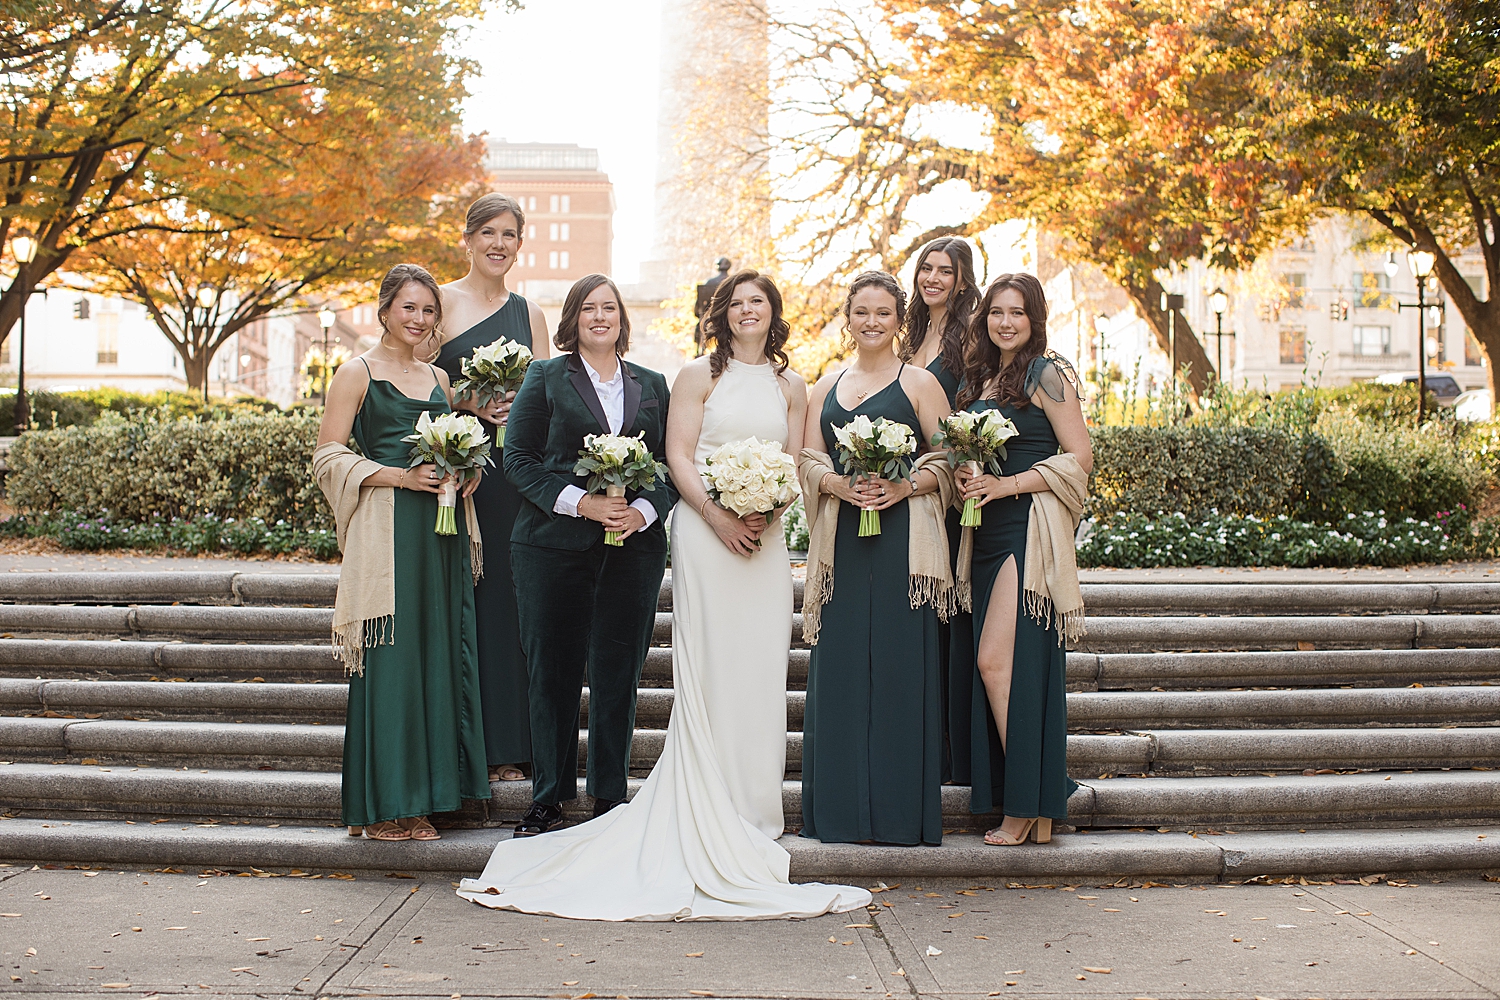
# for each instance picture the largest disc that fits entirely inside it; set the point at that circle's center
(146, 470)
(51, 410)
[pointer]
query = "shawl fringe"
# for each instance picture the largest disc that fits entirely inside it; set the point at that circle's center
(351, 640)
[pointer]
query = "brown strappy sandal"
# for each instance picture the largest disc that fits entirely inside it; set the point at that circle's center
(420, 828)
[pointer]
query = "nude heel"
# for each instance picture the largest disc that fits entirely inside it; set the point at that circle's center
(1041, 833)
(356, 831)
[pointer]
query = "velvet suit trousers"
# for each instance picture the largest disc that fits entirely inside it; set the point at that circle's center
(591, 613)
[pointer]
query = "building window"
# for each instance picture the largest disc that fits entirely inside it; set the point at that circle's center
(1371, 341)
(81, 309)
(1294, 345)
(552, 232)
(566, 232)
(108, 339)
(565, 262)
(567, 204)
(552, 260)
(1473, 356)
(1372, 290)
(554, 202)
(531, 260)
(1296, 290)
(531, 229)
(531, 205)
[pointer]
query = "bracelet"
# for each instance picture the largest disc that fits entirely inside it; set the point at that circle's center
(1015, 482)
(702, 507)
(824, 480)
(401, 482)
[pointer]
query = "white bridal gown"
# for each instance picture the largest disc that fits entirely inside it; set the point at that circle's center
(698, 842)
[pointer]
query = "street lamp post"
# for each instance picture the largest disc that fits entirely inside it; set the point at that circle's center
(326, 318)
(1219, 303)
(1170, 304)
(24, 248)
(1421, 262)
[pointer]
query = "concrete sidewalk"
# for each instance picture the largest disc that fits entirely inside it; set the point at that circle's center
(135, 933)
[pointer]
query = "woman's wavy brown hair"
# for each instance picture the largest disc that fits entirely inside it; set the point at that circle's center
(960, 303)
(982, 359)
(882, 281)
(566, 337)
(398, 278)
(716, 323)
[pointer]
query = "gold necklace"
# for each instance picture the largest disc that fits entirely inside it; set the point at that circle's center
(404, 371)
(859, 396)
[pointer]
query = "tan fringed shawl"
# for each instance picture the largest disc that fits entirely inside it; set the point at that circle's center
(1050, 592)
(364, 609)
(930, 576)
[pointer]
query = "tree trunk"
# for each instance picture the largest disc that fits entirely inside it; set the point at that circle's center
(1488, 335)
(1190, 353)
(195, 371)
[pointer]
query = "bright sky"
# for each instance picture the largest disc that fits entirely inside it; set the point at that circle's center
(581, 71)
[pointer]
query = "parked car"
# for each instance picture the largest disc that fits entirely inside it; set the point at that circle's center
(1444, 387)
(1473, 406)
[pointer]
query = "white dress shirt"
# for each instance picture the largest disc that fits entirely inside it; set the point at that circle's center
(612, 397)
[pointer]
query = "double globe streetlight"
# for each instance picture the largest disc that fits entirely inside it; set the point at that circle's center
(1421, 263)
(23, 248)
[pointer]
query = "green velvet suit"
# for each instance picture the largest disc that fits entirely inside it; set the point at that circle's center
(584, 607)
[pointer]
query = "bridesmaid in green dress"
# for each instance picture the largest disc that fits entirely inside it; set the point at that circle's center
(1015, 737)
(872, 741)
(943, 300)
(485, 310)
(412, 739)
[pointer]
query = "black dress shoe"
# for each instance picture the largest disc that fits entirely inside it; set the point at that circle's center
(602, 806)
(538, 819)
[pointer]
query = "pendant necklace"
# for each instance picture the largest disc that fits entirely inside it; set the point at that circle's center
(404, 371)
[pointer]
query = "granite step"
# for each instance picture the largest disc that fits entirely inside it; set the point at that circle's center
(1337, 800)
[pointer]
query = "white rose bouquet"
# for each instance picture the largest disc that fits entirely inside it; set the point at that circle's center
(751, 477)
(977, 439)
(492, 372)
(877, 447)
(614, 464)
(457, 445)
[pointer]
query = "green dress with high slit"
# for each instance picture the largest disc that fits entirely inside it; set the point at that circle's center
(503, 678)
(872, 742)
(1030, 777)
(413, 745)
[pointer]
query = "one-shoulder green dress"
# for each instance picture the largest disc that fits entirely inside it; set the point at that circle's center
(872, 743)
(412, 739)
(956, 635)
(503, 678)
(1030, 777)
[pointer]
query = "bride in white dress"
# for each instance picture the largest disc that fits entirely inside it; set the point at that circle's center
(698, 842)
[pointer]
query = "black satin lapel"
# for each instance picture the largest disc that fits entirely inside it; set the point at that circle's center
(632, 399)
(585, 386)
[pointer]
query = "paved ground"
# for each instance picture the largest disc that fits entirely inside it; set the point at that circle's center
(135, 933)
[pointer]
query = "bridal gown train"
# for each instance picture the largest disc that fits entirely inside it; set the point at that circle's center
(698, 841)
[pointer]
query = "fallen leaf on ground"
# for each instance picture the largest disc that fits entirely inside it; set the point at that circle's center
(1102, 972)
(570, 982)
(700, 993)
(933, 952)
(847, 926)
(980, 937)
(109, 986)
(699, 954)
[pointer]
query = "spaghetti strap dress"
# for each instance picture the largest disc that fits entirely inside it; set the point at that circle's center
(872, 740)
(412, 739)
(956, 635)
(503, 678)
(1029, 778)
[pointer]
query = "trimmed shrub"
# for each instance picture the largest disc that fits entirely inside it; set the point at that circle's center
(51, 410)
(1242, 470)
(147, 470)
(1406, 472)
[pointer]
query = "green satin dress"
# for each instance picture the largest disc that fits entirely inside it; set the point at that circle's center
(872, 743)
(956, 635)
(413, 745)
(1031, 779)
(503, 678)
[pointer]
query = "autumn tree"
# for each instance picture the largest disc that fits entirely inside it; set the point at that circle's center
(1394, 110)
(1110, 124)
(110, 104)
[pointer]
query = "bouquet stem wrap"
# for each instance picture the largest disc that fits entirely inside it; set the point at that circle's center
(869, 523)
(972, 515)
(447, 524)
(613, 537)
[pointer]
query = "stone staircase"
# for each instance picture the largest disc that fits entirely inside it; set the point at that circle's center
(132, 703)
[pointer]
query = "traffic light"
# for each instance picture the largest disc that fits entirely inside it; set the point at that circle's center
(1338, 310)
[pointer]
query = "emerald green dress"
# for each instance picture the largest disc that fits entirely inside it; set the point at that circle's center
(872, 743)
(956, 635)
(503, 678)
(412, 739)
(1032, 778)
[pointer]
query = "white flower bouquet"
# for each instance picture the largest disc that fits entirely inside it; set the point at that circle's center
(457, 445)
(751, 477)
(615, 463)
(492, 372)
(877, 447)
(976, 439)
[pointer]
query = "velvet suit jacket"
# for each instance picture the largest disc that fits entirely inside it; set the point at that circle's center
(554, 410)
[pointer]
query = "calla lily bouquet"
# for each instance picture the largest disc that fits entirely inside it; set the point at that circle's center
(493, 372)
(614, 464)
(457, 445)
(751, 477)
(870, 448)
(976, 439)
